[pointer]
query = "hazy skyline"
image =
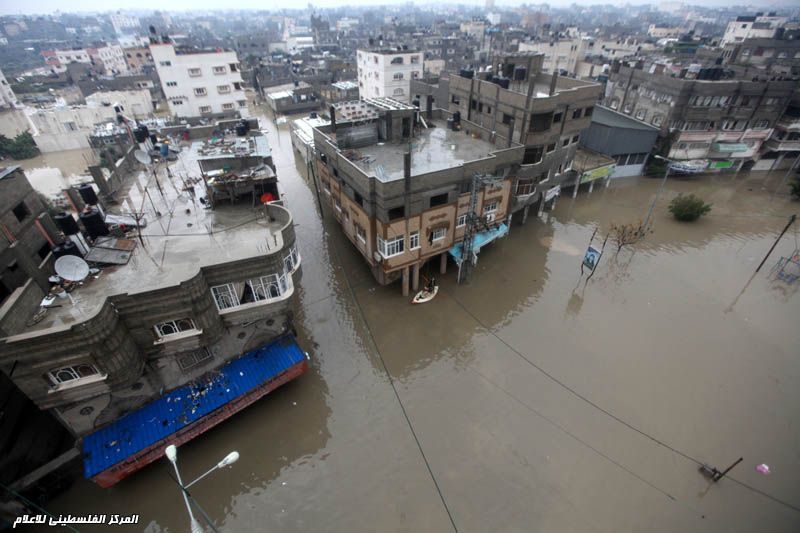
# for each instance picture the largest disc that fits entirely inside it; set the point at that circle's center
(41, 7)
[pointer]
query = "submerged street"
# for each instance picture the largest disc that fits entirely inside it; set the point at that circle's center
(526, 400)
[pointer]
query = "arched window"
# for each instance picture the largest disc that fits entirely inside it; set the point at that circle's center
(397, 61)
(398, 92)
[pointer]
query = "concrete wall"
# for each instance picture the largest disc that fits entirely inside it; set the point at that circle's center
(17, 309)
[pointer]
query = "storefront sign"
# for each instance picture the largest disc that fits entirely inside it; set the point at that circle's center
(552, 193)
(597, 173)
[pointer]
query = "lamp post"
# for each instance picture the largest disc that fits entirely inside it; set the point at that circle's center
(661, 188)
(172, 454)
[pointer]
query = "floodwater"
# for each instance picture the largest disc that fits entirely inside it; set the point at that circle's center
(53, 172)
(528, 399)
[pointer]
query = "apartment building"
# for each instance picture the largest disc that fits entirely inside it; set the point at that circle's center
(108, 59)
(725, 121)
(199, 83)
(387, 72)
(136, 328)
(545, 113)
(560, 53)
(750, 27)
(782, 149)
(138, 58)
(400, 183)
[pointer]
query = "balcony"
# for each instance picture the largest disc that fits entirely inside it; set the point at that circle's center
(777, 145)
(789, 123)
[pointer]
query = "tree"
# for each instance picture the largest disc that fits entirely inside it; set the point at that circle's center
(625, 234)
(687, 208)
(20, 147)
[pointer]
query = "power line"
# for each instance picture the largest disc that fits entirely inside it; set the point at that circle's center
(612, 415)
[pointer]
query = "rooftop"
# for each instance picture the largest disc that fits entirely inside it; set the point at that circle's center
(436, 148)
(231, 146)
(345, 85)
(178, 241)
(5, 171)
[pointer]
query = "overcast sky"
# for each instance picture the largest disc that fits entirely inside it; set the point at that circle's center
(50, 6)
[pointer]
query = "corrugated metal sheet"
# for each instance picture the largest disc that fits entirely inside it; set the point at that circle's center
(161, 418)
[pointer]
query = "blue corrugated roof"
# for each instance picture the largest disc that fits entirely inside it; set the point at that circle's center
(480, 240)
(162, 417)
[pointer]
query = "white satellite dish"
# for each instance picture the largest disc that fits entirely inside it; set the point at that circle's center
(142, 157)
(72, 268)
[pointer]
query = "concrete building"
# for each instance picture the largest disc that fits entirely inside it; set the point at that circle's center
(387, 73)
(627, 140)
(725, 121)
(475, 28)
(291, 98)
(138, 58)
(141, 327)
(545, 113)
(340, 91)
(399, 182)
(782, 148)
(123, 24)
(200, 82)
(750, 27)
(560, 53)
(658, 31)
(107, 59)
(8, 100)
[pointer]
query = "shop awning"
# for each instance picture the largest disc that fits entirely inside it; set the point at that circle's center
(730, 147)
(480, 239)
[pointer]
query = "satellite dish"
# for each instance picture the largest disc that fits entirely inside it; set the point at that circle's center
(142, 157)
(72, 268)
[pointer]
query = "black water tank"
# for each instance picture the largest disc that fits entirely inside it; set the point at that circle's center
(87, 193)
(153, 138)
(520, 73)
(503, 82)
(68, 248)
(467, 73)
(494, 79)
(457, 117)
(93, 222)
(242, 127)
(313, 114)
(141, 134)
(66, 223)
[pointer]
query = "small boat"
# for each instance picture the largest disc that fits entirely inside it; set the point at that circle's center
(694, 166)
(425, 295)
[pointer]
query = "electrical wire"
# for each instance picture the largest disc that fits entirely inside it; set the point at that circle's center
(612, 415)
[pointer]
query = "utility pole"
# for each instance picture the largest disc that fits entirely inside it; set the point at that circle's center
(774, 244)
(661, 188)
(473, 222)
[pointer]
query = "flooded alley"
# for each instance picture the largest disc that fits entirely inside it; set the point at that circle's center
(528, 399)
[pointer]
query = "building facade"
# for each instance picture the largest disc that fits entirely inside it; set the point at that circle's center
(749, 27)
(8, 100)
(387, 73)
(199, 83)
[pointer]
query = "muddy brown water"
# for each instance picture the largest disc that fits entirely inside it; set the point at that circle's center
(525, 400)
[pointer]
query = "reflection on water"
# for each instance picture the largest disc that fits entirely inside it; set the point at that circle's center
(647, 339)
(52, 172)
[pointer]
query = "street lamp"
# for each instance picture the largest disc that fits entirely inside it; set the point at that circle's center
(661, 188)
(172, 454)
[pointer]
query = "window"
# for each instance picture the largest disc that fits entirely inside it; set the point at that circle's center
(395, 61)
(242, 103)
(398, 92)
(173, 327)
(576, 113)
(414, 60)
(454, 99)
(172, 84)
(565, 142)
(200, 91)
(234, 67)
(533, 155)
(195, 72)
(292, 260)
(507, 118)
(439, 199)
(187, 360)
(360, 233)
(489, 208)
(165, 63)
(70, 126)
(225, 296)
(72, 373)
(413, 240)
(21, 211)
(223, 89)
(551, 147)
(760, 124)
(525, 186)
(227, 107)
(337, 204)
(641, 114)
(265, 288)
(461, 221)
(415, 75)
(219, 70)
(205, 109)
(656, 120)
(588, 112)
(488, 110)
(358, 198)
(237, 86)
(397, 212)
(576, 138)
(391, 247)
(540, 122)
(438, 234)
(557, 118)
(398, 76)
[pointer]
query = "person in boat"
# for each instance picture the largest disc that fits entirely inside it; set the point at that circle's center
(431, 285)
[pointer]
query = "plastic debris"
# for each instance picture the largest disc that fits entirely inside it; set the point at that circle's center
(763, 468)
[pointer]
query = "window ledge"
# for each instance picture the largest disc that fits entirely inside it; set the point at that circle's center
(73, 383)
(260, 303)
(178, 336)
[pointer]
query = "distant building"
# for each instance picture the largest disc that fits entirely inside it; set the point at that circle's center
(138, 58)
(387, 73)
(108, 59)
(560, 53)
(658, 31)
(123, 23)
(346, 23)
(292, 98)
(751, 27)
(199, 82)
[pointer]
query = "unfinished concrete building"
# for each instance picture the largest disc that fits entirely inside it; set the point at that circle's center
(399, 182)
(721, 115)
(544, 112)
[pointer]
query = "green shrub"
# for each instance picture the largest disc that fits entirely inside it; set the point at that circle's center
(20, 147)
(688, 208)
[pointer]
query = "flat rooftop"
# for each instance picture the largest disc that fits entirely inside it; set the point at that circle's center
(231, 146)
(436, 148)
(185, 237)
